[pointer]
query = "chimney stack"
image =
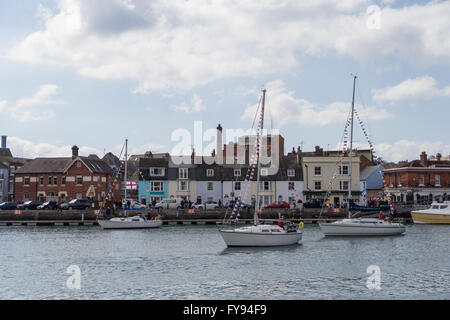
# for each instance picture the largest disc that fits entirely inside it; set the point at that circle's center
(74, 152)
(219, 153)
(424, 159)
(4, 141)
(438, 157)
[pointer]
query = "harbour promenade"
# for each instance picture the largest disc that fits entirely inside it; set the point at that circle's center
(174, 217)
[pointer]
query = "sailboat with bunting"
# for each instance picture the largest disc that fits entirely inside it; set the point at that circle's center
(359, 226)
(135, 222)
(259, 235)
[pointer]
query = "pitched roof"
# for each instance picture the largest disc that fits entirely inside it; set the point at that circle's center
(44, 165)
(368, 171)
(111, 159)
(96, 165)
(60, 165)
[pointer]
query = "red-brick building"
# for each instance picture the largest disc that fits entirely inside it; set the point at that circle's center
(64, 179)
(419, 181)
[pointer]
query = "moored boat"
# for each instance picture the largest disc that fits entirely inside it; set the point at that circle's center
(260, 236)
(362, 227)
(438, 213)
(359, 226)
(136, 222)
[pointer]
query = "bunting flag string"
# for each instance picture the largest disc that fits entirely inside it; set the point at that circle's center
(372, 149)
(114, 179)
(244, 192)
(327, 202)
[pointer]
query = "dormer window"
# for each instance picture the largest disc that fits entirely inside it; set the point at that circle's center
(210, 172)
(291, 172)
(158, 172)
(182, 173)
(237, 172)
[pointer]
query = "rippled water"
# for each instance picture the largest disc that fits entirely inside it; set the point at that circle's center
(192, 262)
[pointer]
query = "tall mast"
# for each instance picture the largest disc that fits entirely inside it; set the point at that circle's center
(126, 173)
(258, 153)
(351, 148)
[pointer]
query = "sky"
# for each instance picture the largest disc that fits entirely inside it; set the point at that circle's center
(92, 73)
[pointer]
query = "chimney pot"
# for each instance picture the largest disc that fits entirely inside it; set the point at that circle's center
(74, 152)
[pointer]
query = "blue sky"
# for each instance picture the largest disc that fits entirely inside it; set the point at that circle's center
(91, 73)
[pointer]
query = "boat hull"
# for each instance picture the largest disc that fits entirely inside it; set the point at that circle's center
(108, 224)
(241, 239)
(332, 229)
(427, 218)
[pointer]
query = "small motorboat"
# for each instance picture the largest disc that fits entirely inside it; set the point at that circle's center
(438, 213)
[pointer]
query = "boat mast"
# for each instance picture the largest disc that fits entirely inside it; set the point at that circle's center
(126, 174)
(258, 153)
(351, 149)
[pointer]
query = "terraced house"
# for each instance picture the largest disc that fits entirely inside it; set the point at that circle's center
(153, 183)
(64, 179)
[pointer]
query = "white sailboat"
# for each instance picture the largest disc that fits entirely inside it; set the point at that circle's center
(260, 235)
(359, 226)
(136, 222)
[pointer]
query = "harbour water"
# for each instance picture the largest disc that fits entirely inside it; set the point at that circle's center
(192, 262)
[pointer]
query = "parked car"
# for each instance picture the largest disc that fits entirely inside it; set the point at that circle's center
(8, 206)
(75, 204)
(29, 205)
(207, 205)
(278, 205)
(313, 203)
(230, 204)
(49, 205)
(169, 203)
(134, 204)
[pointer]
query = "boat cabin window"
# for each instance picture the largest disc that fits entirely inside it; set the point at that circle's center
(435, 207)
(275, 230)
(265, 230)
(444, 207)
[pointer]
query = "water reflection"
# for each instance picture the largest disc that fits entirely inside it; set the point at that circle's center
(253, 250)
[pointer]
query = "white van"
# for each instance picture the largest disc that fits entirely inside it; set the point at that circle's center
(170, 203)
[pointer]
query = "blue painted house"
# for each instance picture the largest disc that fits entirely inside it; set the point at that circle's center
(371, 183)
(153, 184)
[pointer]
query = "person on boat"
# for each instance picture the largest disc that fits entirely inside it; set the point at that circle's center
(381, 217)
(281, 224)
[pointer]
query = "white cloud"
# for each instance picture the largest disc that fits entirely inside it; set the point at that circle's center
(31, 149)
(418, 88)
(285, 108)
(170, 45)
(26, 109)
(196, 105)
(410, 150)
